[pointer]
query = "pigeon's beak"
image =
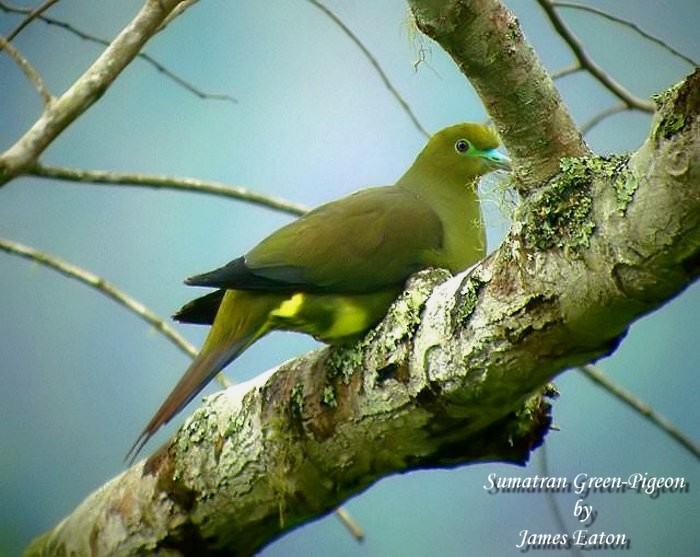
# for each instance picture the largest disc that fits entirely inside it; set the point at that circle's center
(497, 160)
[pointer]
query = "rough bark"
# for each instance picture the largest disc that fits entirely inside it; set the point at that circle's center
(456, 373)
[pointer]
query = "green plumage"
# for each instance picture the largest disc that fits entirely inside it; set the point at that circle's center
(334, 272)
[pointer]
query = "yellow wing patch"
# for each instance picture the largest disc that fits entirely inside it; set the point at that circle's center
(331, 317)
(290, 308)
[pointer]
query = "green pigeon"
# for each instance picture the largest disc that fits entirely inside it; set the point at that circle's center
(333, 272)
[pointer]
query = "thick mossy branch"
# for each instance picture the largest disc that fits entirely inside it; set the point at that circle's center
(456, 374)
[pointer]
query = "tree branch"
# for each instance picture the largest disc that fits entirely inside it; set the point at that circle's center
(167, 72)
(137, 308)
(32, 14)
(89, 87)
(487, 44)
(159, 181)
(455, 374)
(644, 410)
(289, 444)
(375, 64)
(101, 285)
(596, 119)
(28, 70)
(602, 13)
(589, 64)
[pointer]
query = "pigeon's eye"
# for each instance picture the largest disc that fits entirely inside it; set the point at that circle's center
(462, 146)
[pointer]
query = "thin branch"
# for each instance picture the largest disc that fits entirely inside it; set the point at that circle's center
(111, 291)
(28, 70)
(630, 24)
(350, 524)
(168, 73)
(555, 509)
(87, 89)
(184, 5)
(102, 286)
(586, 127)
(567, 70)
(168, 182)
(589, 64)
(637, 405)
(375, 64)
(32, 14)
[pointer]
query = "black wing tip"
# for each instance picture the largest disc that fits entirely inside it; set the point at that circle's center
(219, 278)
(177, 317)
(236, 275)
(194, 280)
(202, 310)
(181, 315)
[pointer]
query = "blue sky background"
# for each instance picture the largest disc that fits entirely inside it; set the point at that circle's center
(313, 122)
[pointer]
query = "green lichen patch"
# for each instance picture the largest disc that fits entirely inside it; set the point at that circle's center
(561, 215)
(329, 397)
(532, 421)
(468, 298)
(664, 97)
(238, 421)
(343, 361)
(670, 122)
(677, 107)
(296, 399)
(624, 182)
(404, 317)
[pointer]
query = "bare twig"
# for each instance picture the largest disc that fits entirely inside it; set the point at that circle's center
(32, 14)
(168, 182)
(630, 400)
(185, 4)
(109, 290)
(350, 524)
(170, 74)
(567, 70)
(87, 89)
(28, 70)
(589, 64)
(630, 24)
(375, 64)
(543, 464)
(167, 72)
(586, 127)
(102, 286)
